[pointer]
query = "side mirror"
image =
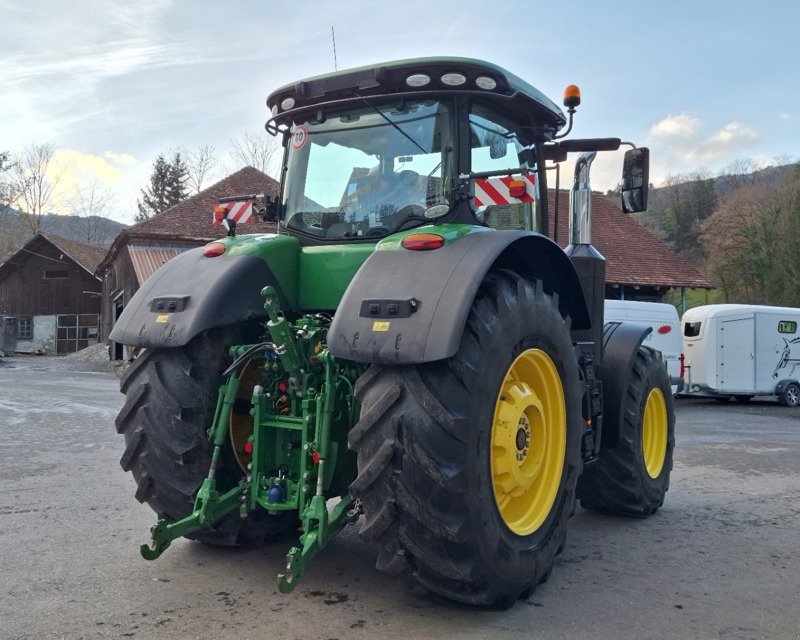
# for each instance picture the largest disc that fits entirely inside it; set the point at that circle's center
(498, 147)
(635, 180)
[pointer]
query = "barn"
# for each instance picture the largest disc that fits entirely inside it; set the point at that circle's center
(49, 296)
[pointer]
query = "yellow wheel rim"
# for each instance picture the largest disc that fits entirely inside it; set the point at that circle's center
(654, 432)
(529, 441)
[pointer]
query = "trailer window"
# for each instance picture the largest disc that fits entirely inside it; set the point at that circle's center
(787, 326)
(691, 329)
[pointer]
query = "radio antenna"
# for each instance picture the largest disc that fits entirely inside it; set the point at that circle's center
(333, 38)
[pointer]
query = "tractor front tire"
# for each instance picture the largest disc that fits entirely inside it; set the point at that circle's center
(632, 477)
(170, 399)
(467, 467)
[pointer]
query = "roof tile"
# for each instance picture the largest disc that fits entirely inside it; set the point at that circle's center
(634, 256)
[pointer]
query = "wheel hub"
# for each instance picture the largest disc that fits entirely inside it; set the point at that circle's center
(528, 441)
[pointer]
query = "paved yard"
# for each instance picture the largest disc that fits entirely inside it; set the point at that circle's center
(720, 560)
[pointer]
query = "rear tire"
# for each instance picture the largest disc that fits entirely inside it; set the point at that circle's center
(632, 477)
(171, 395)
(427, 445)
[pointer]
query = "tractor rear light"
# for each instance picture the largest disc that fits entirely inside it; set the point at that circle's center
(248, 447)
(287, 103)
(220, 211)
(516, 188)
(422, 241)
(213, 249)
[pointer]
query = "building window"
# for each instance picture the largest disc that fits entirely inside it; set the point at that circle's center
(56, 274)
(25, 329)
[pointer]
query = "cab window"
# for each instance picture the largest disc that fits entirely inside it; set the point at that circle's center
(495, 145)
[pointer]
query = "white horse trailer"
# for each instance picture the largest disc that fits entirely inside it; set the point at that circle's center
(666, 330)
(741, 351)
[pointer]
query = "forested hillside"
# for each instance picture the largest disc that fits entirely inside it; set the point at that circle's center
(15, 231)
(741, 228)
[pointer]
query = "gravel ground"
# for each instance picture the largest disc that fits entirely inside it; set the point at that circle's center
(93, 358)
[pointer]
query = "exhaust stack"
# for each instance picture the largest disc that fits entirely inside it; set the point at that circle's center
(589, 263)
(580, 202)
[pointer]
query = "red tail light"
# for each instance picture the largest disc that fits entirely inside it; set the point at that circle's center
(422, 241)
(516, 189)
(213, 249)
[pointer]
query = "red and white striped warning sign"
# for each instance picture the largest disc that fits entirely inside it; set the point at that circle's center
(504, 190)
(237, 211)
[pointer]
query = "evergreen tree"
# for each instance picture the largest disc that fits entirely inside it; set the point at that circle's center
(168, 186)
(154, 199)
(178, 178)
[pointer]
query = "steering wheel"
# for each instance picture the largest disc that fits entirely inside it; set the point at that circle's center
(376, 231)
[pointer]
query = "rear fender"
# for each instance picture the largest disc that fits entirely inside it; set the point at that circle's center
(408, 307)
(192, 293)
(621, 341)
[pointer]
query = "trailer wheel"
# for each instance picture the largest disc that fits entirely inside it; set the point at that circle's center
(467, 467)
(632, 477)
(791, 395)
(171, 395)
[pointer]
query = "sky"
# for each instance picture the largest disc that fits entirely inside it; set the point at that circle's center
(113, 83)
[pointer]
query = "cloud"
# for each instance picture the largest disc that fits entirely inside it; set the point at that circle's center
(72, 171)
(733, 138)
(785, 116)
(120, 158)
(681, 124)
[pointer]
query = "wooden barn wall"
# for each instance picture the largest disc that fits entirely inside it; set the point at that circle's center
(120, 277)
(26, 292)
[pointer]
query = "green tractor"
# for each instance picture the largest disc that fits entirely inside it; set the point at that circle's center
(410, 350)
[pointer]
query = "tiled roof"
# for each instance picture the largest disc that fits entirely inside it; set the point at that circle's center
(634, 256)
(193, 217)
(190, 221)
(87, 255)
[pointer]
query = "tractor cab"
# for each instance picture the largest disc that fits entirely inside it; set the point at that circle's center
(377, 150)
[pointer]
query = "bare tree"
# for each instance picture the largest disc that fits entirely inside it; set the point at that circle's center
(200, 165)
(33, 185)
(91, 206)
(259, 150)
(8, 192)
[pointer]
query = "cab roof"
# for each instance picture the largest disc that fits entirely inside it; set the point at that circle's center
(391, 78)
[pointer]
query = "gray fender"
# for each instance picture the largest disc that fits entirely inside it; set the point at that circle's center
(192, 293)
(621, 341)
(434, 290)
